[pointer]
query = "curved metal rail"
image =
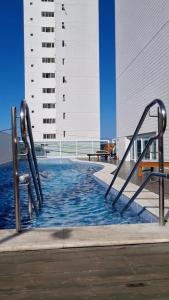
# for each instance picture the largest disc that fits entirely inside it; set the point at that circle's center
(27, 137)
(152, 174)
(162, 121)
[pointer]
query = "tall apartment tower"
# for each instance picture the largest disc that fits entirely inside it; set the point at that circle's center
(61, 40)
(142, 71)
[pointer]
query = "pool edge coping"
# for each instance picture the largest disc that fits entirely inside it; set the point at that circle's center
(88, 236)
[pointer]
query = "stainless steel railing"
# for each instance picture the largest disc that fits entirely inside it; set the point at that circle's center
(27, 137)
(152, 174)
(26, 133)
(15, 168)
(162, 121)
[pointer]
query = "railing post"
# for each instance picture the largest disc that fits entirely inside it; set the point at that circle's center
(161, 170)
(15, 169)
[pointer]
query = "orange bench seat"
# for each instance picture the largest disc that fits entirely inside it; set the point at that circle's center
(149, 164)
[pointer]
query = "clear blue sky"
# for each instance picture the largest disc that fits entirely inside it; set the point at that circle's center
(12, 63)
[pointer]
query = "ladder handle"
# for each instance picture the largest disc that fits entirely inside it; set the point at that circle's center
(26, 130)
(163, 113)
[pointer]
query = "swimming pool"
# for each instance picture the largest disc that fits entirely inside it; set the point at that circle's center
(72, 197)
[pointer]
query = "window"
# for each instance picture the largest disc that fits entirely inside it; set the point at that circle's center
(47, 0)
(48, 45)
(32, 50)
(48, 60)
(33, 126)
(47, 29)
(32, 66)
(63, 7)
(32, 80)
(63, 61)
(64, 79)
(63, 44)
(31, 3)
(49, 136)
(48, 75)
(64, 116)
(64, 133)
(48, 90)
(48, 105)
(63, 25)
(32, 96)
(49, 121)
(31, 34)
(64, 98)
(32, 111)
(47, 14)
(31, 19)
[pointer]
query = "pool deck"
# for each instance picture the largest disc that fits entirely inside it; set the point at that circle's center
(77, 237)
(91, 236)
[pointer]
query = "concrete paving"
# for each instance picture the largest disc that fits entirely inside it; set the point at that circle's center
(59, 238)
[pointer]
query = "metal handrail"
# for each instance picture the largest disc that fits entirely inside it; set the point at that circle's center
(27, 137)
(162, 121)
(15, 169)
(142, 186)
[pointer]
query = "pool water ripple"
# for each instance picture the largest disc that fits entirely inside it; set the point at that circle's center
(72, 197)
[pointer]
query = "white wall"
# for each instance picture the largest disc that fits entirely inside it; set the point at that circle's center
(142, 62)
(5, 148)
(121, 145)
(81, 69)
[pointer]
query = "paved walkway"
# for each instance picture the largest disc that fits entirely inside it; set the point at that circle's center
(89, 236)
(109, 273)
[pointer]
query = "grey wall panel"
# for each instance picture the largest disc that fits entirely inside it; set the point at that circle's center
(142, 62)
(5, 148)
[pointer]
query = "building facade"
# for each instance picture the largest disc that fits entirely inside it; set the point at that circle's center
(62, 69)
(142, 70)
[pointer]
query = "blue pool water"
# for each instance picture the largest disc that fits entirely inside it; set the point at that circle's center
(72, 197)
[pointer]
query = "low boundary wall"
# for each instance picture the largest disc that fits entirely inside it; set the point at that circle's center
(5, 148)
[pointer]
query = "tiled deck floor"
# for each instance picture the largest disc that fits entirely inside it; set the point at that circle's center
(109, 273)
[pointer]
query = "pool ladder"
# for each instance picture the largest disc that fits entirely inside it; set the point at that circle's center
(25, 179)
(162, 121)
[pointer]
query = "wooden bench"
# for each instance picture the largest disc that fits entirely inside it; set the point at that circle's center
(149, 164)
(99, 154)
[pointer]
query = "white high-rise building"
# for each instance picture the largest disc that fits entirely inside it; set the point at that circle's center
(62, 68)
(142, 71)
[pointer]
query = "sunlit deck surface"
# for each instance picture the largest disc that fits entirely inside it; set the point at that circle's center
(121, 272)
